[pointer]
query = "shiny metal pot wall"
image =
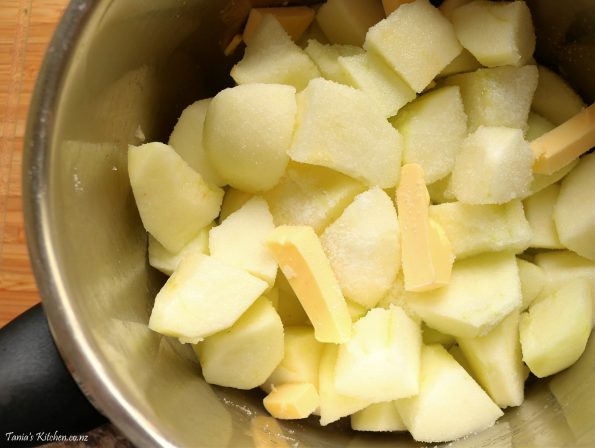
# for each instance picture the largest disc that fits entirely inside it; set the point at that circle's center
(119, 67)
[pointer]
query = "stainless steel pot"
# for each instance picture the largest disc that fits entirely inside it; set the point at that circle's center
(119, 67)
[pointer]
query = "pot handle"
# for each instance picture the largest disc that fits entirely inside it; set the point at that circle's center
(37, 393)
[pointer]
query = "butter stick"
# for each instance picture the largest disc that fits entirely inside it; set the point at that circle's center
(295, 20)
(426, 252)
(300, 256)
(563, 144)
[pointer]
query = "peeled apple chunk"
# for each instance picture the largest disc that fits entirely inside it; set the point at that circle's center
(496, 33)
(499, 96)
(554, 99)
(381, 360)
(537, 126)
(301, 359)
(341, 128)
(474, 229)
(173, 200)
(496, 361)
(287, 304)
(203, 296)
(574, 212)
(370, 74)
(363, 247)
(248, 129)
(244, 355)
(533, 281)
(433, 128)
(311, 195)
(186, 139)
(416, 41)
(539, 209)
(240, 240)
(494, 166)
(333, 404)
(232, 201)
(272, 57)
(327, 56)
(167, 262)
(554, 332)
(450, 404)
(482, 291)
(300, 256)
(378, 417)
(292, 401)
(348, 21)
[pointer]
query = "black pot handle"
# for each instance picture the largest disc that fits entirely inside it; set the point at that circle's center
(39, 400)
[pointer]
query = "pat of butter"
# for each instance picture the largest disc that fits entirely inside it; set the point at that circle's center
(426, 252)
(390, 5)
(292, 400)
(560, 146)
(295, 20)
(299, 254)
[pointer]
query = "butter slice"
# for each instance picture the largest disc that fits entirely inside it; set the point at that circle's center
(560, 146)
(299, 254)
(295, 20)
(292, 401)
(426, 252)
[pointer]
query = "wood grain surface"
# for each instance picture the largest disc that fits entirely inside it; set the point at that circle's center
(26, 27)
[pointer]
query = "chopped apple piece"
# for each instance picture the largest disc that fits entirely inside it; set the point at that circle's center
(574, 212)
(341, 128)
(166, 261)
(554, 332)
(172, 214)
(494, 166)
(539, 209)
(541, 181)
(381, 360)
(378, 417)
(431, 336)
(363, 247)
(427, 254)
(240, 240)
(394, 296)
(414, 29)
(232, 202)
(287, 304)
(563, 266)
(292, 401)
(326, 57)
(496, 361)
(203, 286)
(565, 143)
(186, 139)
(482, 291)
(498, 96)
(450, 404)
(300, 256)
(474, 229)
(537, 126)
(496, 33)
(250, 154)
(463, 63)
(333, 404)
(456, 352)
(356, 311)
(533, 281)
(433, 128)
(440, 191)
(311, 195)
(273, 58)
(347, 21)
(244, 355)
(301, 359)
(295, 20)
(370, 74)
(554, 98)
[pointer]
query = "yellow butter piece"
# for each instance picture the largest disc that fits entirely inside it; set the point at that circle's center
(299, 254)
(295, 20)
(292, 401)
(426, 252)
(390, 5)
(563, 144)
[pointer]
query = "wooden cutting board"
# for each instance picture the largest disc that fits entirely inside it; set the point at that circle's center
(26, 27)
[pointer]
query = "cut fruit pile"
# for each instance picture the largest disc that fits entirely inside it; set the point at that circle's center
(419, 182)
